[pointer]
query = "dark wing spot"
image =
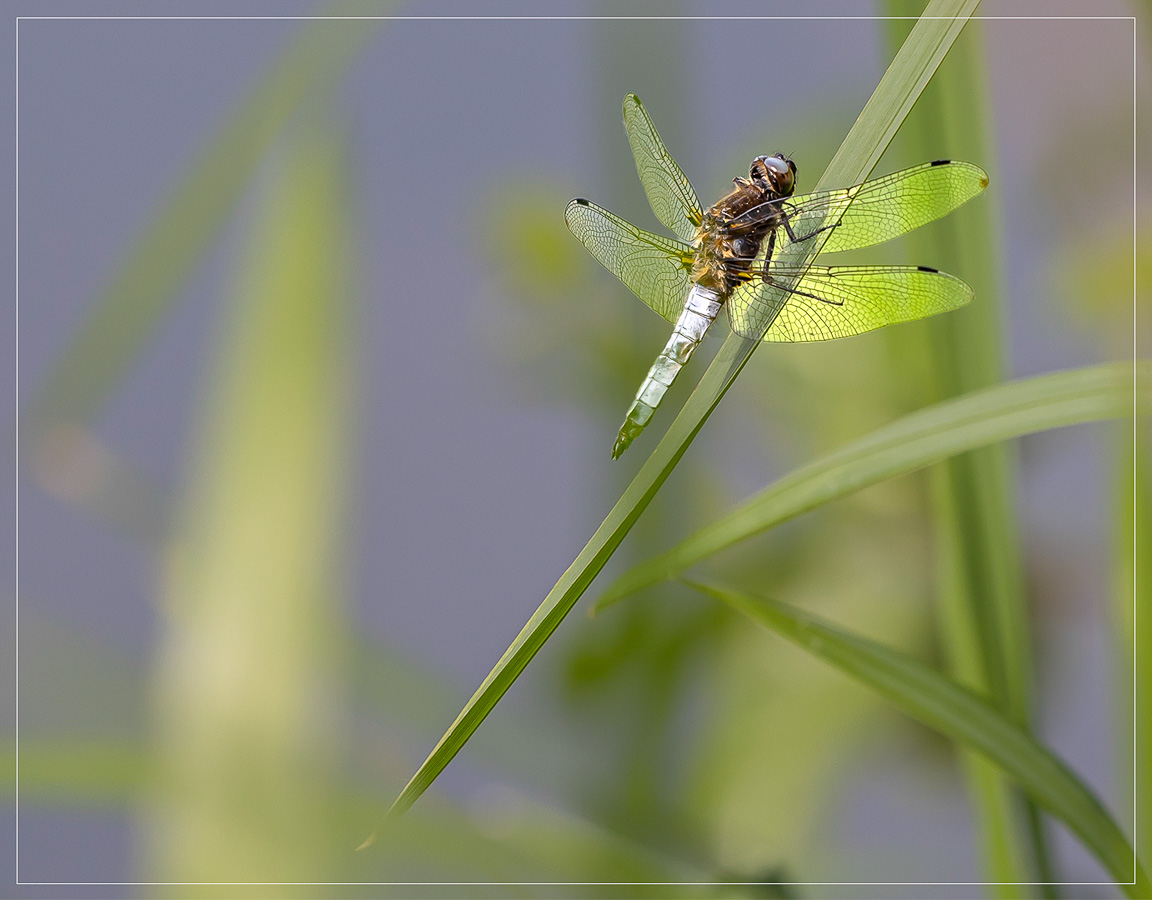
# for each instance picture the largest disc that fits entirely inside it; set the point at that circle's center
(580, 201)
(928, 269)
(941, 162)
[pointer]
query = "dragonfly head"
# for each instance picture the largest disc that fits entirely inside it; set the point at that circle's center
(774, 173)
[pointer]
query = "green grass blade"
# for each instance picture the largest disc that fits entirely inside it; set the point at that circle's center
(251, 660)
(910, 71)
(958, 713)
(1132, 637)
(180, 232)
(930, 40)
(984, 623)
(917, 440)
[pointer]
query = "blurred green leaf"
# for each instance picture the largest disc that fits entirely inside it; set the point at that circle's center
(566, 847)
(878, 122)
(1131, 611)
(250, 662)
(984, 621)
(764, 800)
(954, 711)
(532, 248)
(80, 772)
(917, 440)
(1098, 293)
(505, 840)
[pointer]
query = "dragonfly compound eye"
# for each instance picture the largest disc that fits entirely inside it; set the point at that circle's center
(781, 173)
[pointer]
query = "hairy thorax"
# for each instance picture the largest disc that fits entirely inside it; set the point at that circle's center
(725, 246)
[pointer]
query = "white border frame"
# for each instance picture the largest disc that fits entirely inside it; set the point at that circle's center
(573, 17)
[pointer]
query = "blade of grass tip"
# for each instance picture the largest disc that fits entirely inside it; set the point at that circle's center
(865, 142)
(183, 227)
(917, 440)
(958, 713)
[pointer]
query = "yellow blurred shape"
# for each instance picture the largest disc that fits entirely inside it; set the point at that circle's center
(248, 676)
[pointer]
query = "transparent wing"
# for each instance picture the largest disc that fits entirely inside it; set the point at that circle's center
(655, 268)
(827, 303)
(887, 207)
(669, 191)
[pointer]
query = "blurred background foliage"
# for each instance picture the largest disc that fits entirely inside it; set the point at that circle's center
(665, 741)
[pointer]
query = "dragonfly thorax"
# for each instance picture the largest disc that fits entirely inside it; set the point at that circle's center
(733, 229)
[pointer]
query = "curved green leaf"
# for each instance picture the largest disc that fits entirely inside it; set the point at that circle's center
(917, 440)
(911, 69)
(958, 713)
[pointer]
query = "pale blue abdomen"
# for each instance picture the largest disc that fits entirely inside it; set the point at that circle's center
(700, 309)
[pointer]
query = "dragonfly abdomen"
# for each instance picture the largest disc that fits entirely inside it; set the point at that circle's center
(700, 310)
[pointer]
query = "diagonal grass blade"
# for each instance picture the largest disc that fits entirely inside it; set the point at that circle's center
(954, 711)
(917, 440)
(911, 69)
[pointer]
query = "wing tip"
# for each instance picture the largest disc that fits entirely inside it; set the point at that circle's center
(629, 109)
(572, 204)
(967, 293)
(981, 175)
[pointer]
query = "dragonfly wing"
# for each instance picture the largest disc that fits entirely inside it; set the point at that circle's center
(827, 303)
(752, 306)
(668, 189)
(887, 207)
(655, 268)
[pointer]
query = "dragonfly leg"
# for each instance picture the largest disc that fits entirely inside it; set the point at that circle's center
(768, 279)
(794, 238)
(769, 249)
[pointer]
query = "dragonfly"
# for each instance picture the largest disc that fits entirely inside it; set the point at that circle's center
(751, 254)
